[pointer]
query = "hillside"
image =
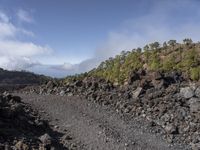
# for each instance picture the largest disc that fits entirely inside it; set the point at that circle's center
(157, 85)
(165, 58)
(16, 79)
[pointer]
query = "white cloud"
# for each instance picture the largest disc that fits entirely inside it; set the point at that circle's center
(16, 54)
(26, 32)
(16, 63)
(21, 49)
(66, 66)
(24, 16)
(3, 17)
(7, 30)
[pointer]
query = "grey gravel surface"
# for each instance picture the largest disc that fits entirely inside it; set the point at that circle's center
(94, 127)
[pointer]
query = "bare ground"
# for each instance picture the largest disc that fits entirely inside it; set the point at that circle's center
(93, 127)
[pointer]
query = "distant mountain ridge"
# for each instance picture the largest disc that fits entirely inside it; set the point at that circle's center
(17, 79)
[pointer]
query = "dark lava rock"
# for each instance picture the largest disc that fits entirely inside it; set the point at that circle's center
(165, 99)
(21, 127)
(45, 139)
(133, 77)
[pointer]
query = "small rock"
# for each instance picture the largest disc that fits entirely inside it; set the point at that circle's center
(194, 105)
(78, 83)
(170, 138)
(127, 110)
(126, 144)
(156, 75)
(62, 93)
(137, 92)
(197, 92)
(171, 129)
(45, 139)
(70, 94)
(67, 137)
(56, 127)
(21, 146)
(187, 92)
(195, 146)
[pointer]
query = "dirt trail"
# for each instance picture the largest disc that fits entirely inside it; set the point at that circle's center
(95, 127)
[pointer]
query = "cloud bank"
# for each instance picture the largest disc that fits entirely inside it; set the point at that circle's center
(16, 54)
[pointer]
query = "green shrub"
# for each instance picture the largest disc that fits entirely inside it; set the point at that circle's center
(169, 63)
(195, 73)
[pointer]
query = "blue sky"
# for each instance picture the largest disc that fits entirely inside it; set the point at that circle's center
(61, 37)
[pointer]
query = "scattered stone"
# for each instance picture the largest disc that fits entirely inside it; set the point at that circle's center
(165, 99)
(20, 126)
(197, 92)
(133, 77)
(187, 92)
(56, 127)
(126, 144)
(70, 94)
(62, 93)
(156, 75)
(137, 92)
(194, 104)
(170, 138)
(21, 146)
(45, 139)
(195, 146)
(171, 129)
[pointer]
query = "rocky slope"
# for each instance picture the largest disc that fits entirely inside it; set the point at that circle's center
(10, 80)
(21, 128)
(164, 99)
(90, 126)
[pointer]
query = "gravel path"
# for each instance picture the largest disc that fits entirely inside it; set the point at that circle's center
(95, 127)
